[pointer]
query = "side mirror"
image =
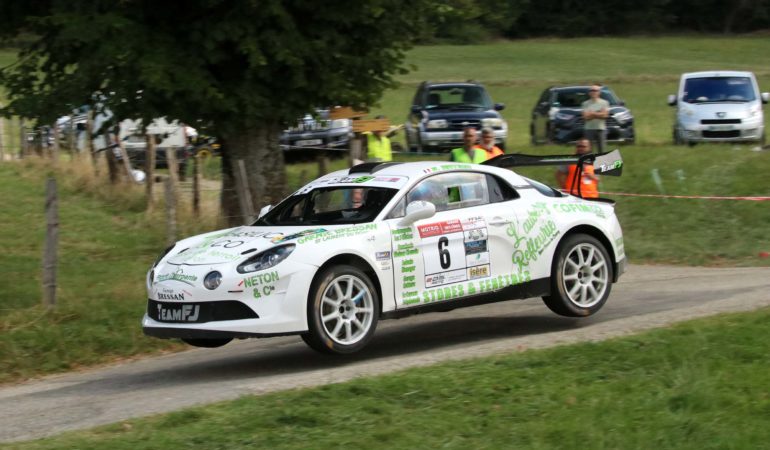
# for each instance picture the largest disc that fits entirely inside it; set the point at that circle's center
(499, 106)
(416, 109)
(765, 97)
(264, 211)
(622, 103)
(417, 210)
(671, 100)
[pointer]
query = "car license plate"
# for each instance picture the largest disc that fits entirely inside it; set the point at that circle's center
(307, 142)
(720, 127)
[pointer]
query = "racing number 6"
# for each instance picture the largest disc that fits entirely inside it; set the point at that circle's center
(443, 253)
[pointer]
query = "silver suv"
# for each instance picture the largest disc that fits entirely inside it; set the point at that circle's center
(718, 106)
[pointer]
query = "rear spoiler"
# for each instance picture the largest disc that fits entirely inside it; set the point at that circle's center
(610, 163)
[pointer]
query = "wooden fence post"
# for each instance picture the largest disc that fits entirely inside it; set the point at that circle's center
(170, 196)
(51, 243)
(244, 193)
(55, 148)
(2, 138)
(90, 142)
(323, 165)
(22, 139)
(149, 170)
(356, 150)
(126, 161)
(173, 165)
(196, 185)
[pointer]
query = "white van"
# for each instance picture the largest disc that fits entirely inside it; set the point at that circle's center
(718, 106)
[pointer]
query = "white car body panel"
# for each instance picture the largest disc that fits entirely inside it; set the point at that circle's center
(490, 248)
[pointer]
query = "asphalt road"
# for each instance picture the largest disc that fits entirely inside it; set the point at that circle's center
(646, 297)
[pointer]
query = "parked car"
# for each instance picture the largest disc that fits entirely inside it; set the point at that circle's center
(440, 111)
(718, 106)
(317, 130)
(557, 116)
(170, 136)
(385, 240)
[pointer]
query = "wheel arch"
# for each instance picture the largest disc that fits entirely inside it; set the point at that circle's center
(599, 236)
(355, 261)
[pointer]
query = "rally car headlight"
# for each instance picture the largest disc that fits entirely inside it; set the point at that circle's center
(266, 259)
(492, 123)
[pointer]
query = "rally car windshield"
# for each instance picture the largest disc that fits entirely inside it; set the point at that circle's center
(329, 206)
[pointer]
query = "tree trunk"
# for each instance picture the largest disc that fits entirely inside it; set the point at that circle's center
(258, 146)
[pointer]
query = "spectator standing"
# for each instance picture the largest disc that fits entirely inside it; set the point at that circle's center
(589, 182)
(378, 145)
(595, 113)
(469, 153)
(488, 144)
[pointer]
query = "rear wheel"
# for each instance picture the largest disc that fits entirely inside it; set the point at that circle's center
(581, 277)
(207, 343)
(342, 311)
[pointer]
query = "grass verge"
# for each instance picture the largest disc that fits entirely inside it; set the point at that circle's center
(699, 385)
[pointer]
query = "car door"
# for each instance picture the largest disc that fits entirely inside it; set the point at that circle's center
(540, 116)
(462, 250)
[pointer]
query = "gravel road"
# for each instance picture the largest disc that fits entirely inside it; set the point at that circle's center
(646, 297)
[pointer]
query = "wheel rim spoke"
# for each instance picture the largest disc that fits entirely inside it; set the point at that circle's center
(348, 317)
(585, 275)
(333, 315)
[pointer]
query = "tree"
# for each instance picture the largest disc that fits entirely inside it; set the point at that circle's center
(243, 68)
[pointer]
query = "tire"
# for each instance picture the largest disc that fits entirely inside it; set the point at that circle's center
(342, 311)
(207, 343)
(577, 290)
(677, 139)
(532, 137)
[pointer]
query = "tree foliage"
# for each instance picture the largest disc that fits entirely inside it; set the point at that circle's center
(243, 68)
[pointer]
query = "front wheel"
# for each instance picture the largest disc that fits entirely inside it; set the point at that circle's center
(581, 277)
(343, 308)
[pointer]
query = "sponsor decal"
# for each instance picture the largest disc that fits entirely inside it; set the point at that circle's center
(478, 272)
(471, 288)
(477, 258)
(578, 207)
(475, 247)
(260, 279)
(179, 276)
(382, 256)
(388, 179)
(340, 233)
(452, 276)
(181, 313)
(528, 248)
(435, 229)
(281, 238)
(447, 167)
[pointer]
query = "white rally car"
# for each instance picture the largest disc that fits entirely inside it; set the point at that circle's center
(385, 240)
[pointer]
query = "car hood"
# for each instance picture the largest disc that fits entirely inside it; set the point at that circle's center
(238, 244)
(577, 111)
(462, 114)
(720, 110)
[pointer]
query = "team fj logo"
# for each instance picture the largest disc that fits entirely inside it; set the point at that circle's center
(179, 276)
(181, 313)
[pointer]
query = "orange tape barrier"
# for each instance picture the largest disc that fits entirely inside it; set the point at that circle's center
(753, 199)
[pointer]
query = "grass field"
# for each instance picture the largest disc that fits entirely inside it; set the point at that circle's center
(107, 241)
(700, 385)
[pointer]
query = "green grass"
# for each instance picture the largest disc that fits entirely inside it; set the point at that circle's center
(699, 385)
(104, 249)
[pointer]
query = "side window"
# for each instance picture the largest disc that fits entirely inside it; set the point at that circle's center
(500, 191)
(452, 190)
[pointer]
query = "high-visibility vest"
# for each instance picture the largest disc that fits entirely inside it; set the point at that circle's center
(490, 153)
(460, 155)
(589, 188)
(378, 148)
